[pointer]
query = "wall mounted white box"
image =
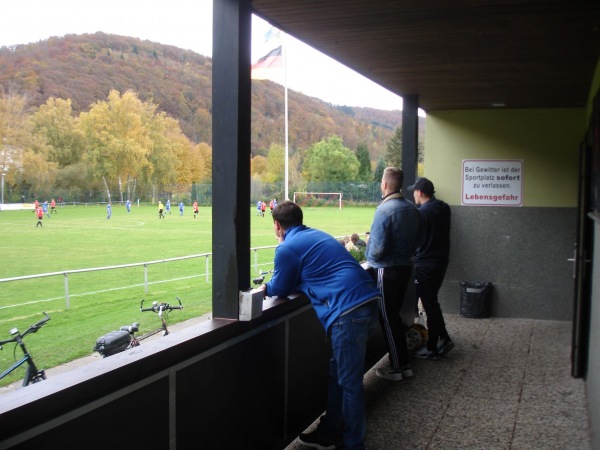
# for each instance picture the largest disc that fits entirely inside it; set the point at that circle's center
(251, 304)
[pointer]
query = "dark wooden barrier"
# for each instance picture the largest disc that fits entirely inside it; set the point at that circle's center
(220, 384)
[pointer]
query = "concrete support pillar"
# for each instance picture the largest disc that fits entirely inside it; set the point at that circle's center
(231, 95)
(410, 141)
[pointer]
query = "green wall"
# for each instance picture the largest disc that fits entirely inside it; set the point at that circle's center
(547, 140)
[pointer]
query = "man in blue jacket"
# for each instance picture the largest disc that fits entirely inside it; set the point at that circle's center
(431, 261)
(395, 234)
(346, 301)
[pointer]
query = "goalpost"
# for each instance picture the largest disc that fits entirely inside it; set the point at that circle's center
(304, 198)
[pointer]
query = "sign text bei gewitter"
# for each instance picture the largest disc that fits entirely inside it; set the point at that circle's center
(492, 182)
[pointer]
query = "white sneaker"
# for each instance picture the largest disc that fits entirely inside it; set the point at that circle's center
(425, 353)
(444, 346)
(391, 374)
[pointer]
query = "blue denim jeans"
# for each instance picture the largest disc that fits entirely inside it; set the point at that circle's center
(346, 398)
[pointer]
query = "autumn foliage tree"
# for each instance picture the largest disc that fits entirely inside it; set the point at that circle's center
(117, 139)
(153, 131)
(84, 68)
(119, 144)
(129, 142)
(198, 164)
(25, 154)
(55, 122)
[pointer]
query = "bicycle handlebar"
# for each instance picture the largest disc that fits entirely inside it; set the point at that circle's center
(42, 322)
(32, 329)
(159, 307)
(259, 280)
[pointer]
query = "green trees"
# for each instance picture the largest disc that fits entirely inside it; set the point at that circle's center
(362, 154)
(329, 160)
(393, 155)
(379, 170)
(275, 167)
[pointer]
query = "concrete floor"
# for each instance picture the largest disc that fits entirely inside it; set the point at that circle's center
(506, 385)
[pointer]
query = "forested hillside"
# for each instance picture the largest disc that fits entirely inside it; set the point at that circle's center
(85, 68)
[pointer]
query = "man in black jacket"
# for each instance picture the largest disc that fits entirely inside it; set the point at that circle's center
(431, 261)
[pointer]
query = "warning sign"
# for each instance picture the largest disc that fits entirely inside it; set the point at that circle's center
(492, 182)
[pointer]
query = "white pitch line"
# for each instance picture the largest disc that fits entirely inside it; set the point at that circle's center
(126, 228)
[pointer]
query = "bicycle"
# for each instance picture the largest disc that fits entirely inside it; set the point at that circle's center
(125, 338)
(32, 373)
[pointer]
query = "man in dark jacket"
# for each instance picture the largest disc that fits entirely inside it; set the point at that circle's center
(431, 261)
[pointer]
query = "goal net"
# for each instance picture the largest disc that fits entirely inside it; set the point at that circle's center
(318, 199)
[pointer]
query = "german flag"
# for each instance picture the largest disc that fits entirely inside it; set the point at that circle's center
(271, 60)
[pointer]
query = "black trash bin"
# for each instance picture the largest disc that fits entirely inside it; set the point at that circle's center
(475, 299)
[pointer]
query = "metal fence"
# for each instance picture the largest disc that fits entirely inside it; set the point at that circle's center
(262, 260)
(355, 192)
(352, 192)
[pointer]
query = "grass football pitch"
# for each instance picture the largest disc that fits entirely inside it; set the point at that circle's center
(81, 237)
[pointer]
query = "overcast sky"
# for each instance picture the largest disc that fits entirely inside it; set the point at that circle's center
(185, 24)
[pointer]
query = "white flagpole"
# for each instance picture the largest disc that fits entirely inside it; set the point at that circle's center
(284, 51)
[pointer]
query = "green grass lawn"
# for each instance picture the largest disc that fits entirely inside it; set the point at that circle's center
(80, 237)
